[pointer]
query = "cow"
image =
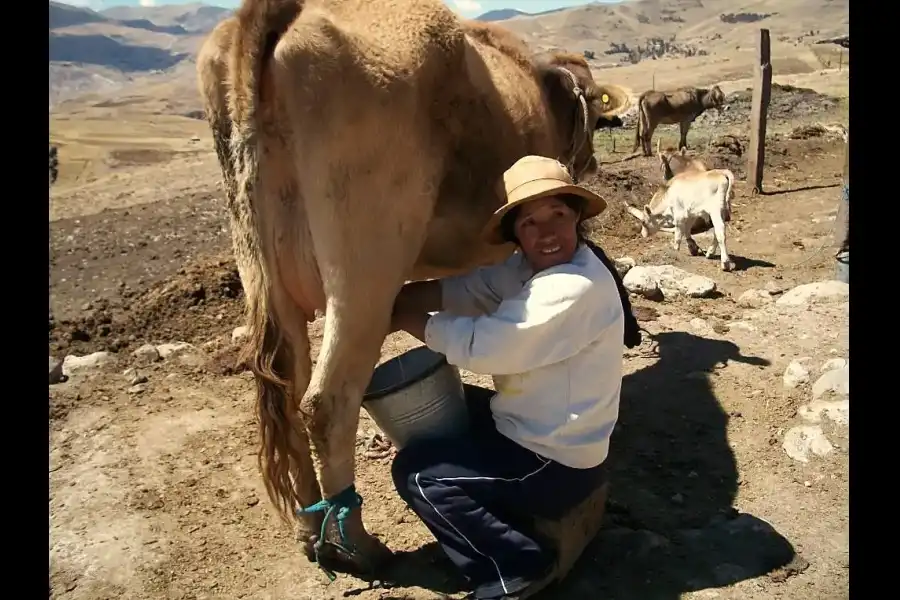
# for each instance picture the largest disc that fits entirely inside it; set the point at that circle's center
(680, 106)
(685, 198)
(673, 163)
(359, 144)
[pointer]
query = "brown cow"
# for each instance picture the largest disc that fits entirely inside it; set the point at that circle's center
(681, 106)
(359, 143)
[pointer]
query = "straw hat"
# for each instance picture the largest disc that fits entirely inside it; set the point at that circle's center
(533, 178)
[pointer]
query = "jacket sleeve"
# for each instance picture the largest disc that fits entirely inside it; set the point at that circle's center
(556, 315)
(474, 293)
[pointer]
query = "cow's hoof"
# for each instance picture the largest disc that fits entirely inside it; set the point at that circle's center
(356, 552)
(308, 534)
(694, 250)
(728, 266)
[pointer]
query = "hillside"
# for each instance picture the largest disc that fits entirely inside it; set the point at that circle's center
(648, 42)
(93, 51)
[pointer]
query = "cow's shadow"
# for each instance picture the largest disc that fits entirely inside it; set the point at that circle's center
(670, 527)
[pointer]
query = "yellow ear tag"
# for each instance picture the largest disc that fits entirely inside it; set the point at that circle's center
(604, 98)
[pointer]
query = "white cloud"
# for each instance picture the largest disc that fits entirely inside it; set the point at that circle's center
(148, 2)
(467, 5)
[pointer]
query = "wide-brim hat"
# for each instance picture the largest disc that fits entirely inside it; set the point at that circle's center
(535, 177)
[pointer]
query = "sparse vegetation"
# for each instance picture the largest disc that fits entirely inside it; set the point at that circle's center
(734, 18)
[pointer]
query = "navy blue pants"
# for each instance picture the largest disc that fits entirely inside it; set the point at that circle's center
(462, 488)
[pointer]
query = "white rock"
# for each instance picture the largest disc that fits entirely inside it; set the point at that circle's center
(240, 333)
(695, 286)
(742, 325)
(836, 381)
(754, 299)
(796, 373)
(624, 264)
(170, 350)
(802, 440)
(146, 353)
(816, 293)
(639, 281)
(834, 363)
(670, 280)
(700, 326)
(837, 411)
(73, 363)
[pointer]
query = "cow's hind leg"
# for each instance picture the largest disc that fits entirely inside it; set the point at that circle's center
(684, 127)
(368, 226)
(719, 232)
(647, 138)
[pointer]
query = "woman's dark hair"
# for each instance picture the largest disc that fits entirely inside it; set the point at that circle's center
(632, 333)
(508, 222)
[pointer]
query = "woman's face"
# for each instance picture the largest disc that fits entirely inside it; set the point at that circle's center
(546, 230)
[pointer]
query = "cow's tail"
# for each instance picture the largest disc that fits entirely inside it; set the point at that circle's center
(640, 126)
(729, 190)
(261, 25)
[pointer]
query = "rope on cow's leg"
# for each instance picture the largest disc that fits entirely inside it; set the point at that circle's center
(339, 506)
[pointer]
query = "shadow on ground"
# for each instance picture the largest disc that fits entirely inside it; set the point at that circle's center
(670, 527)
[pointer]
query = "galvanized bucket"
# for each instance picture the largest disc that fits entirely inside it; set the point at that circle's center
(417, 395)
(842, 267)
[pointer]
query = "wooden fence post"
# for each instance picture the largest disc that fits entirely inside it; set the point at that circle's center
(762, 92)
(842, 226)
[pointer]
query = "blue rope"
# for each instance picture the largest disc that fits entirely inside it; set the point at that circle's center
(339, 506)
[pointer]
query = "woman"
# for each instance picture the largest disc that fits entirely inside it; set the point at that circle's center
(548, 325)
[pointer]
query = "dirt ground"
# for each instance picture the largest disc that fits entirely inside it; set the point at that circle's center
(155, 492)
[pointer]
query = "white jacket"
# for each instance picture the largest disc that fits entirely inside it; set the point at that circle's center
(553, 344)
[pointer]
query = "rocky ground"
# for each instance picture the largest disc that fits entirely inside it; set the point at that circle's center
(730, 459)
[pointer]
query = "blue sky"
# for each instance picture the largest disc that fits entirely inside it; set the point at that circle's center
(469, 8)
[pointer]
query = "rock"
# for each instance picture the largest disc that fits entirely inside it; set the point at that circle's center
(836, 381)
(134, 377)
(73, 363)
(240, 333)
(836, 411)
(802, 440)
(754, 299)
(834, 363)
(700, 326)
(56, 371)
(742, 325)
(146, 354)
(639, 281)
(138, 389)
(167, 351)
(671, 281)
(774, 288)
(820, 292)
(624, 264)
(187, 354)
(694, 286)
(796, 373)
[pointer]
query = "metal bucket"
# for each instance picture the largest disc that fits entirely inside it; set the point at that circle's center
(842, 267)
(417, 395)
